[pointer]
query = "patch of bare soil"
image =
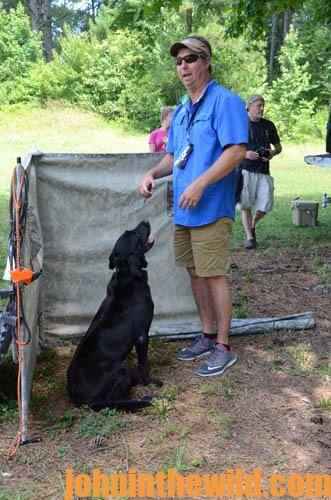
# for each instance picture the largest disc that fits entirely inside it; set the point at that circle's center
(270, 410)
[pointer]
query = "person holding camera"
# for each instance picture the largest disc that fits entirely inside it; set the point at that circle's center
(258, 186)
(207, 140)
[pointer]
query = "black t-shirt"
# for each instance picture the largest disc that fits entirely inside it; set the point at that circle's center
(261, 133)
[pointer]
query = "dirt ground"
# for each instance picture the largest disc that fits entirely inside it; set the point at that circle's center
(270, 410)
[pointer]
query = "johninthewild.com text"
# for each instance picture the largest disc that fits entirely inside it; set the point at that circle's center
(231, 484)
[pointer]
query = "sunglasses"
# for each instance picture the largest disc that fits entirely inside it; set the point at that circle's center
(189, 59)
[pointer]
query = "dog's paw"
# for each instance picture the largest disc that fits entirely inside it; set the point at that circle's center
(152, 381)
(148, 398)
(156, 382)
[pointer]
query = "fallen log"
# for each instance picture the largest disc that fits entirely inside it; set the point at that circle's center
(239, 326)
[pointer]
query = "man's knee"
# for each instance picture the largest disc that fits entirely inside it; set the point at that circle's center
(219, 280)
(260, 214)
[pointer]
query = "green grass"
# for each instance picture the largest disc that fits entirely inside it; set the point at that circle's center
(293, 178)
(103, 424)
(325, 403)
(58, 128)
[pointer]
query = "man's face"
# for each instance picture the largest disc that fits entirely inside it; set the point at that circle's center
(195, 74)
(256, 110)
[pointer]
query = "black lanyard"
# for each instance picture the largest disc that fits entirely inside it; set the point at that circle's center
(193, 115)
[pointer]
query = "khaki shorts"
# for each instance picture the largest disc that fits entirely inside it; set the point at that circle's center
(205, 247)
(257, 191)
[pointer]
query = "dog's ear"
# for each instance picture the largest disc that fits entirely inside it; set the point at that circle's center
(112, 260)
(144, 262)
(135, 265)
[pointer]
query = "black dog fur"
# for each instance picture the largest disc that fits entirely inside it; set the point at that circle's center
(97, 375)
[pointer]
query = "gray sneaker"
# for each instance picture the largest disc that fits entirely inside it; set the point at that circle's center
(218, 360)
(250, 244)
(199, 347)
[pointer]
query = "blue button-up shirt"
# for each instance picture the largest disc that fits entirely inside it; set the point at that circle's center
(220, 120)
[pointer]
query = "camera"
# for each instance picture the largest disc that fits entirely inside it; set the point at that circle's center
(263, 152)
(181, 161)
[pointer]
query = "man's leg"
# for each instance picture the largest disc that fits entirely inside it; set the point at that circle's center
(204, 342)
(258, 216)
(222, 304)
(246, 217)
(264, 198)
(220, 357)
(204, 301)
(249, 224)
(247, 199)
(211, 251)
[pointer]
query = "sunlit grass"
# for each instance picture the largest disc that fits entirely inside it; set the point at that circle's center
(59, 128)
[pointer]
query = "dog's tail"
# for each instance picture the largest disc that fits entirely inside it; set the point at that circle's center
(131, 405)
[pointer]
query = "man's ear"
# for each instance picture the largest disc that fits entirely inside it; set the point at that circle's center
(135, 265)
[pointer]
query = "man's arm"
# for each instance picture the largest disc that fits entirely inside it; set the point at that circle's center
(277, 149)
(232, 156)
(275, 141)
(164, 168)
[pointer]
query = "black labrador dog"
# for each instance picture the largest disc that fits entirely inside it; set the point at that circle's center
(97, 375)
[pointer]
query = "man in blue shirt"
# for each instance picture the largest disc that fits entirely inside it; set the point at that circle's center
(207, 140)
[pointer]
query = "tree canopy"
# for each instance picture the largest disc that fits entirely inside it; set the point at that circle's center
(113, 56)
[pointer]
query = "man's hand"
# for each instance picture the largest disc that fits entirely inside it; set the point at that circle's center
(191, 196)
(147, 186)
(252, 155)
(270, 155)
(163, 169)
(232, 156)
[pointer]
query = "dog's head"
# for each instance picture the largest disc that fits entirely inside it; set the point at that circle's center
(129, 250)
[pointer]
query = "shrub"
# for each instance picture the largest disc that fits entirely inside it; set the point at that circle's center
(287, 98)
(20, 48)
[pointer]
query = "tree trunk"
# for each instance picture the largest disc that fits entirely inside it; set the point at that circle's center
(273, 41)
(287, 22)
(32, 8)
(294, 20)
(189, 20)
(40, 20)
(93, 10)
(47, 29)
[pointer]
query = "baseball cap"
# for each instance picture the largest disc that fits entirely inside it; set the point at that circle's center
(197, 44)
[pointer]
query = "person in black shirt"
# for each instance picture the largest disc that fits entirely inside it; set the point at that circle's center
(258, 186)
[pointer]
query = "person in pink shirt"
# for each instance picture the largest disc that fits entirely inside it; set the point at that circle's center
(158, 138)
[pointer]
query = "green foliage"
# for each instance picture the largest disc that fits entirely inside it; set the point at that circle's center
(238, 64)
(316, 44)
(59, 79)
(113, 65)
(20, 48)
(250, 15)
(161, 408)
(286, 99)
